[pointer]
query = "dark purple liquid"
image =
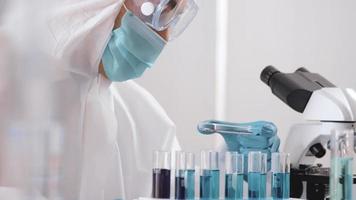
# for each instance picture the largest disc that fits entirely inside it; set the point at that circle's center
(180, 188)
(161, 183)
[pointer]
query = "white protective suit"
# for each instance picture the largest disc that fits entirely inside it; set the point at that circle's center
(105, 132)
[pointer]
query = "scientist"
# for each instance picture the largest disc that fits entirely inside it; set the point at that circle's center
(111, 126)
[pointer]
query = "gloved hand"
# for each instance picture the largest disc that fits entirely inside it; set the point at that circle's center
(263, 137)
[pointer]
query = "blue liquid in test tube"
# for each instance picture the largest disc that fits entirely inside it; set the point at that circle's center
(254, 185)
(344, 175)
(254, 177)
(263, 176)
(280, 176)
(341, 167)
(190, 177)
(234, 186)
(190, 184)
(209, 184)
(280, 185)
(234, 165)
(263, 185)
(185, 175)
(210, 176)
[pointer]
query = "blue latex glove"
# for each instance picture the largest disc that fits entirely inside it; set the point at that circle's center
(263, 137)
(132, 49)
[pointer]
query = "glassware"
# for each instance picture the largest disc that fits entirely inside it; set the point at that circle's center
(280, 175)
(161, 180)
(180, 175)
(264, 170)
(210, 175)
(341, 146)
(254, 174)
(190, 176)
(234, 165)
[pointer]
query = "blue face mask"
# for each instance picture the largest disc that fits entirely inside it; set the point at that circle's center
(132, 49)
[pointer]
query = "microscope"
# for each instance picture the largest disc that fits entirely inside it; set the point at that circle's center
(326, 108)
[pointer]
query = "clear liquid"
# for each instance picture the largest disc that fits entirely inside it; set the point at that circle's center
(254, 185)
(341, 179)
(209, 184)
(234, 186)
(190, 184)
(280, 185)
(161, 183)
(263, 186)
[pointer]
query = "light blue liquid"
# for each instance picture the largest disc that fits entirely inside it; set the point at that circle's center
(190, 184)
(234, 186)
(263, 186)
(254, 185)
(280, 185)
(341, 179)
(209, 184)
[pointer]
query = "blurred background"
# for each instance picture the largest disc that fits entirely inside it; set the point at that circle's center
(212, 71)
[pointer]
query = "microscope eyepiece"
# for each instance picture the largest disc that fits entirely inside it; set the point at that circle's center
(267, 74)
(295, 89)
(302, 69)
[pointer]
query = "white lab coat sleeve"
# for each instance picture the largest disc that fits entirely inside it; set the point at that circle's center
(143, 128)
(101, 157)
(80, 30)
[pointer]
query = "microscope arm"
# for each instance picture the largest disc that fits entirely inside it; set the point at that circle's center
(331, 105)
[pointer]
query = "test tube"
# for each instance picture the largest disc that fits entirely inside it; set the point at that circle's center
(280, 175)
(161, 179)
(264, 170)
(234, 165)
(254, 174)
(180, 175)
(341, 146)
(190, 176)
(210, 175)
